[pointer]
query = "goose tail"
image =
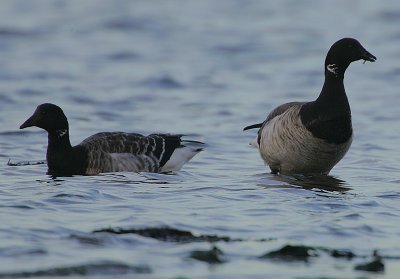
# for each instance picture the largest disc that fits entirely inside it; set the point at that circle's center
(254, 126)
(182, 154)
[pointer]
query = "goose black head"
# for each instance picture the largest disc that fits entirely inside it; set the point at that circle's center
(344, 52)
(48, 117)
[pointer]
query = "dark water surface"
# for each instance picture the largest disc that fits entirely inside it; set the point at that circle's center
(206, 69)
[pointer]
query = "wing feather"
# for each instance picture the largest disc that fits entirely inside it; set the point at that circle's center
(116, 151)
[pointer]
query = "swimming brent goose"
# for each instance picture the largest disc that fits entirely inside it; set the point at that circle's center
(108, 151)
(312, 137)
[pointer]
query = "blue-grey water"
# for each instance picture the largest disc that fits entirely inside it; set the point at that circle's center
(206, 69)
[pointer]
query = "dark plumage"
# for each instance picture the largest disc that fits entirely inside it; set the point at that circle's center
(108, 151)
(312, 137)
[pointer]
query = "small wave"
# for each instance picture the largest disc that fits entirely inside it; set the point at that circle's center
(212, 256)
(129, 24)
(239, 48)
(52, 76)
(123, 56)
(65, 195)
(66, 198)
(11, 32)
(88, 239)
(30, 92)
(389, 15)
(165, 82)
(290, 253)
(101, 268)
(21, 251)
(17, 206)
(168, 234)
(10, 133)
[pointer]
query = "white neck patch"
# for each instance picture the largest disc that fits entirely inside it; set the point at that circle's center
(61, 133)
(333, 69)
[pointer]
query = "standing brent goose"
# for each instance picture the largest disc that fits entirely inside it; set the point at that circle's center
(312, 137)
(108, 151)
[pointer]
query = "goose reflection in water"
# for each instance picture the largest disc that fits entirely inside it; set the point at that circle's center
(308, 182)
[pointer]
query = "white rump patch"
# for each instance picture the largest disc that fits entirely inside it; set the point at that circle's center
(179, 157)
(254, 143)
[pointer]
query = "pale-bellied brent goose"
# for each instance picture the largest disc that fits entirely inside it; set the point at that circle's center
(312, 137)
(108, 151)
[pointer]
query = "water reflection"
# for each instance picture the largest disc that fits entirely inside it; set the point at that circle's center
(308, 182)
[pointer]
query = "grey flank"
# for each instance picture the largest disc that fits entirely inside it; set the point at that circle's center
(116, 151)
(278, 111)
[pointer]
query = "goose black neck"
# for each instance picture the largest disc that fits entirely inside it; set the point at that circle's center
(59, 139)
(329, 116)
(333, 95)
(59, 145)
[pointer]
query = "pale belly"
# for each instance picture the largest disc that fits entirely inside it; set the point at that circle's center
(288, 147)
